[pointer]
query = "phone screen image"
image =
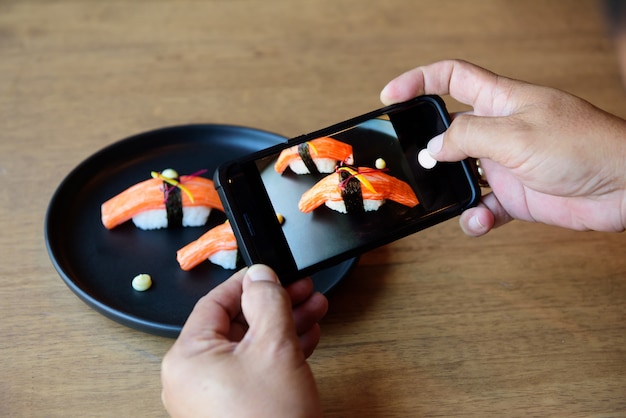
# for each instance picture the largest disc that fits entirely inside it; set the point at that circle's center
(356, 186)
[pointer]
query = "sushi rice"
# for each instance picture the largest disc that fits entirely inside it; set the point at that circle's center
(157, 218)
(369, 205)
(226, 259)
(324, 165)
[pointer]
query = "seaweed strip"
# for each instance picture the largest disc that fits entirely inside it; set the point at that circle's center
(351, 193)
(173, 206)
(305, 154)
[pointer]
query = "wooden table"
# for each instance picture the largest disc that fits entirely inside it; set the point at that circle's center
(529, 320)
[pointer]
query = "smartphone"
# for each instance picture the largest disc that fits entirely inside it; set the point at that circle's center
(331, 195)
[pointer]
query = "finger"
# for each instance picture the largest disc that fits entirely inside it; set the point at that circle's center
(310, 340)
(476, 222)
(470, 134)
(267, 308)
(308, 307)
(481, 137)
(300, 290)
(310, 312)
(487, 215)
(465, 82)
(212, 315)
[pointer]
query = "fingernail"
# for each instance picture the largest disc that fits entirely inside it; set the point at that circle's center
(435, 145)
(260, 273)
(475, 224)
(384, 93)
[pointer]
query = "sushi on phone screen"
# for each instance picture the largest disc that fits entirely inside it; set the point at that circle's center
(352, 202)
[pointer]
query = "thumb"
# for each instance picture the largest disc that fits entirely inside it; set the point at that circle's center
(267, 309)
(477, 137)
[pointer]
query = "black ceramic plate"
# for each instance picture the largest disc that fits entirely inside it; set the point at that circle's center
(98, 265)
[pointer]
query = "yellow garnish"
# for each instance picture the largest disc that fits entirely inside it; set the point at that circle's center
(169, 173)
(172, 182)
(142, 282)
(359, 177)
(311, 146)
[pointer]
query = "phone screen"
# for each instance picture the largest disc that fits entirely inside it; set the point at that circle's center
(362, 185)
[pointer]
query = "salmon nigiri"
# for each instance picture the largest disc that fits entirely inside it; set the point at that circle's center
(218, 245)
(320, 155)
(163, 201)
(352, 189)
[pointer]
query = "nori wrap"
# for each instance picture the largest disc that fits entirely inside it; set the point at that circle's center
(173, 205)
(351, 193)
(305, 154)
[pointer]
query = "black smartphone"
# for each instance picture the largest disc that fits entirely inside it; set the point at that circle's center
(333, 194)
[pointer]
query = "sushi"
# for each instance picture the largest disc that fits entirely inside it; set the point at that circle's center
(320, 155)
(166, 200)
(354, 190)
(218, 245)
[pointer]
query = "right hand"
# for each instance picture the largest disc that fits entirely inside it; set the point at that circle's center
(548, 156)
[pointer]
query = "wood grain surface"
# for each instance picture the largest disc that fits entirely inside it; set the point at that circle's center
(527, 321)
